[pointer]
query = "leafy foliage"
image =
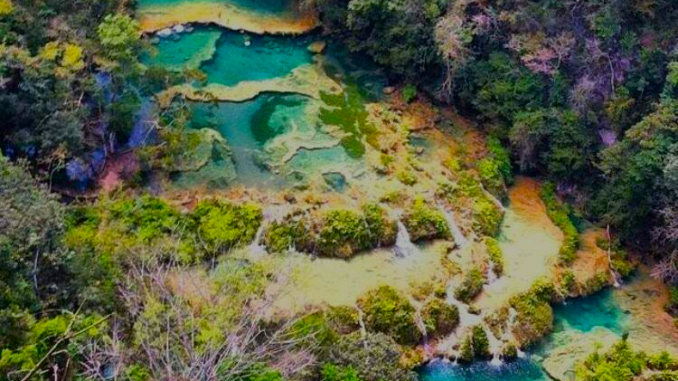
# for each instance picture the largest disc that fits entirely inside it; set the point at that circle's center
(559, 214)
(387, 311)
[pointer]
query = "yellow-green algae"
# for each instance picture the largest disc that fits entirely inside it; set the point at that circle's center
(156, 16)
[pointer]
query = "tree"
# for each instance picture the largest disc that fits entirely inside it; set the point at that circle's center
(119, 35)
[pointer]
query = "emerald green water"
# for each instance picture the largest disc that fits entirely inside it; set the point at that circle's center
(266, 57)
(582, 315)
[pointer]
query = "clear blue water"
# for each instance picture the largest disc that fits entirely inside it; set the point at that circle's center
(583, 314)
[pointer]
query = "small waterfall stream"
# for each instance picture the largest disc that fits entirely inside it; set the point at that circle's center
(457, 234)
(257, 249)
(404, 246)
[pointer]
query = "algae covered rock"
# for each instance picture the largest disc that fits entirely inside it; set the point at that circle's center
(206, 159)
(317, 47)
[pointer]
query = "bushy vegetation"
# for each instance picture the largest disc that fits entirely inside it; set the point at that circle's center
(534, 313)
(559, 213)
(439, 317)
(578, 94)
(424, 222)
(475, 345)
(388, 311)
(340, 233)
(374, 357)
(222, 225)
(495, 254)
(622, 363)
(471, 285)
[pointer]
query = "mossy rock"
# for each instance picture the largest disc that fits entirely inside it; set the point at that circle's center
(387, 311)
(439, 317)
(470, 286)
(425, 223)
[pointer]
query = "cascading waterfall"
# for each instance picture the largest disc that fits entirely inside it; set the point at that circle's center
(257, 249)
(495, 347)
(491, 275)
(513, 317)
(457, 234)
(404, 245)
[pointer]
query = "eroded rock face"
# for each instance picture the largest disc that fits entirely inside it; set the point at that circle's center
(573, 347)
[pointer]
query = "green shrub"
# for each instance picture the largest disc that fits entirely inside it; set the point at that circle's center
(559, 214)
(407, 177)
(374, 357)
(389, 312)
(281, 236)
(495, 254)
(534, 318)
(487, 217)
(439, 317)
(331, 372)
(146, 217)
(620, 363)
(475, 345)
(425, 223)
(313, 329)
(222, 225)
(568, 281)
(409, 93)
(346, 232)
(471, 285)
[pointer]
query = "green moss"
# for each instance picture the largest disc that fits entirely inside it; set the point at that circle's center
(495, 254)
(387, 311)
(222, 225)
(439, 317)
(471, 285)
(347, 111)
(425, 223)
(559, 214)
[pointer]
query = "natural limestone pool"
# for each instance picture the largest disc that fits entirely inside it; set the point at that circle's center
(293, 118)
(291, 129)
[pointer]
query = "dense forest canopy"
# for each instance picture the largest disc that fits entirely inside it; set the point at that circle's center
(581, 93)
